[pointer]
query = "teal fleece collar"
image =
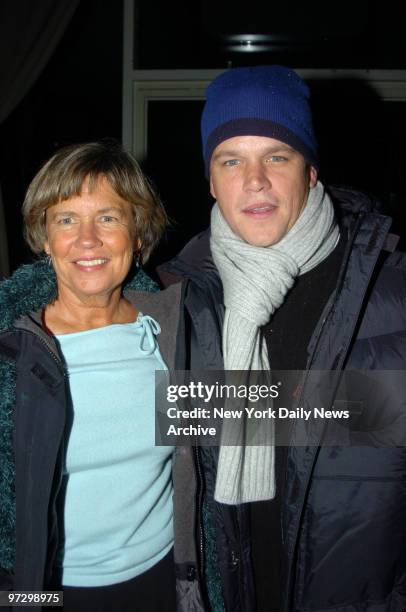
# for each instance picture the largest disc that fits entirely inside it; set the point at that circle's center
(33, 286)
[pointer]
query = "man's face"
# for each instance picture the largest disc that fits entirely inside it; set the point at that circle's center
(261, 186)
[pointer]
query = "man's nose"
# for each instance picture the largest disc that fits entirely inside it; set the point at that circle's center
(88, 235)
(256, 177)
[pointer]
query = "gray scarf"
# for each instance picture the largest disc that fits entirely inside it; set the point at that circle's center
(256, 281)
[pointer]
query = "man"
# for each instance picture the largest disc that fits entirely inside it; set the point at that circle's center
(292, 276)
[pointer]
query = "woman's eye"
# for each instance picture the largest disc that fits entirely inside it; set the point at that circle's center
(107, 219)
(65, 221)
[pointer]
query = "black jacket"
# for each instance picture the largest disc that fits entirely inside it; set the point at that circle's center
(343, 515)
(33, 411)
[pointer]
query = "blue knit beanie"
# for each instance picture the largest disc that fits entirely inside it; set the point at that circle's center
(270, 101)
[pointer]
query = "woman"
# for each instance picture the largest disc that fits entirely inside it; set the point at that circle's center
(80, 340)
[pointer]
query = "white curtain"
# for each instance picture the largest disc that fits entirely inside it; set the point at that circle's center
(29, 32)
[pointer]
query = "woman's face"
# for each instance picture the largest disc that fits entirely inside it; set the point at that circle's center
(90, 238)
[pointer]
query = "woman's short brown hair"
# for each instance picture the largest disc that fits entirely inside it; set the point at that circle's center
(63, 175)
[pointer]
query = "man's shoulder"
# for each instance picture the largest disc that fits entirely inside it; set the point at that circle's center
(396, 261)
(349, 200)
(164, 301)
(390, 286)
(194, 262)
(385, 312)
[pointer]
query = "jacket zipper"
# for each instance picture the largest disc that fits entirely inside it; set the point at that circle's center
(54, 357)
(58, 362)
(199, 513)
(291, 595)
(236, 560)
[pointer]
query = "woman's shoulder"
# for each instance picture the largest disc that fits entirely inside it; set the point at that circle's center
(30, 288)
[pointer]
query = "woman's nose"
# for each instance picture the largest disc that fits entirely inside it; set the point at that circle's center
(88, 235)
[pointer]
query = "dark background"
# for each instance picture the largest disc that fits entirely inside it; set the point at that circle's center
(78, 97)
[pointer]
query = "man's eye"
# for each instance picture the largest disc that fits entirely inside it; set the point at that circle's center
(277, 158)
(231, 162)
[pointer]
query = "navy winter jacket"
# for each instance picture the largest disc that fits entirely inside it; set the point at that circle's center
(344, 511)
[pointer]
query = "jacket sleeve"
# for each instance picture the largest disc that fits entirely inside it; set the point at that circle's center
(6, 580)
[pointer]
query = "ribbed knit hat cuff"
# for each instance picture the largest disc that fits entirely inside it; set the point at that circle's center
(256, 127)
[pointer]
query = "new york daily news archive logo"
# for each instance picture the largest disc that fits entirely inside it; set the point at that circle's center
(228, 395)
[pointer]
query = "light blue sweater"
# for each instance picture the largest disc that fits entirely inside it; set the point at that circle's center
(118, 504)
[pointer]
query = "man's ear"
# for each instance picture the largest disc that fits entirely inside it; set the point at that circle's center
(312, 176)
(213, 193)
